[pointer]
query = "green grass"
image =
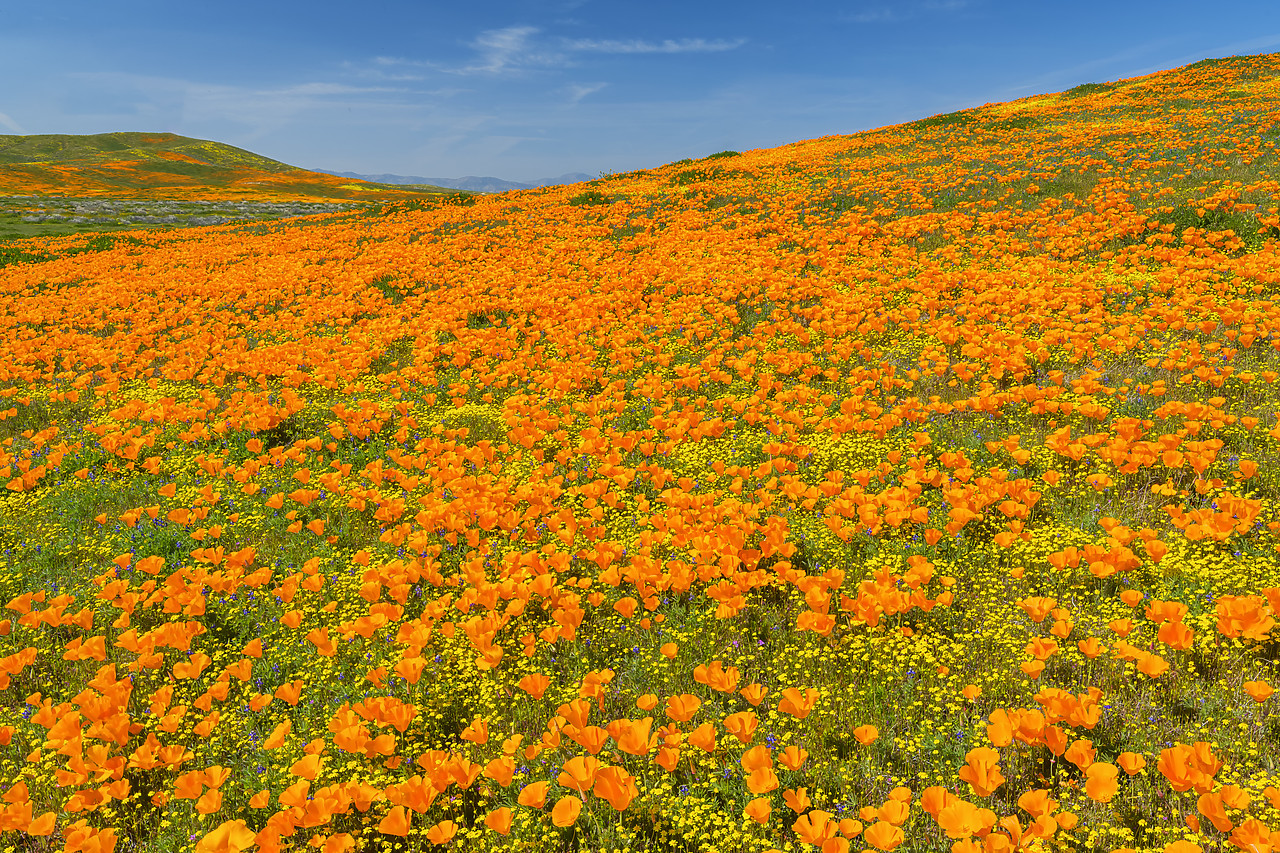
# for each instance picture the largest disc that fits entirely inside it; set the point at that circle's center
(108, 147)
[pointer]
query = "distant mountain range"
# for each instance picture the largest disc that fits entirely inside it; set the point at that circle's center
(470, 183)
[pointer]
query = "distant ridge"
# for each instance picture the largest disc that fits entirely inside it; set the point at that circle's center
(165, 165)
(470, 183)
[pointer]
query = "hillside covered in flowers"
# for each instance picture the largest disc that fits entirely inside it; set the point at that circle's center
(169, 167)
(913, 490)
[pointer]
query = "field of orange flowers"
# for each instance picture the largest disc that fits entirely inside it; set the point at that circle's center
(911, 490)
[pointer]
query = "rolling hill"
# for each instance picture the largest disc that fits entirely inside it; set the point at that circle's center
(169, 166)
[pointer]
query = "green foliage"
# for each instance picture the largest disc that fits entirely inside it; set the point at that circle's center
(685, 177)
(590, 197)
(956, 119)
(488, 319)
(1019, 122)
(1088, 89)
(106, 147)
(21, 255)
(1243, 224)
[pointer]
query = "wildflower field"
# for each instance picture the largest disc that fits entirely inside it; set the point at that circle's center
(168, 168)
(912, 490)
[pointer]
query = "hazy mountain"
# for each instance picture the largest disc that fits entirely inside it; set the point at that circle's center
(471, 183)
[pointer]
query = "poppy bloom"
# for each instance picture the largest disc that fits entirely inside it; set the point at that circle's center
(534, 795)
(566, 811)
(442, 832)
(960, 819)
(797, 799)
(982, 771)
(796, 703)
(762, 780)
(579, 773)
(741, 725)
(395, 823)
(703, 737)
(230, 836)
(883, 835)
(1259, 691)
(793, 757)
(499, 820)
(1101, 785)
(500, 770)
(758, 809)
(535, 684)
(682, 708)
(616, 786)
(1131, 762)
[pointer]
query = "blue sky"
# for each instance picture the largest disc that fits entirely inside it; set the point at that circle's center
(526, 89)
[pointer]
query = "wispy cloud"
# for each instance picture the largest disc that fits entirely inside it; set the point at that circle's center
(880, 15)
(9, 124)
(1122, 63)
(324, 90)
(904, 11)
(517, 50)
(697, 45)
(509, 49)
(179, 102)
(578, 91)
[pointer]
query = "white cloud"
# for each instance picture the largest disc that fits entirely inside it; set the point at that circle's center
(323, 89)
(509, 49)
(178, 103)
(578, 91)
(904, 11)
(666, 46)
(514, 50)
(9, 124)
(881, 15)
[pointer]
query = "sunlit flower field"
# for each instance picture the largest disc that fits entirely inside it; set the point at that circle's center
(913, 490)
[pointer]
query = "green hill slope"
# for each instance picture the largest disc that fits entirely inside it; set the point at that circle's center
(166, 165)
(114, 147)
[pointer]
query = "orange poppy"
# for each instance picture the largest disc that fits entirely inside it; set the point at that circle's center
(566, 811)
(535, 684)
(682, 708)
(797, 799)
(231, 836)
(866, 735)
(534, 795)
(616, 786)
(703, 737)
(396, 822)
(1101, 785)
(500, 770)
(741, 725)
(883, 835)
(579, 773)
(793, 757)
(1259, 691)
(982, 771)
(1131, 762)
(499, 820)
(758, 810)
